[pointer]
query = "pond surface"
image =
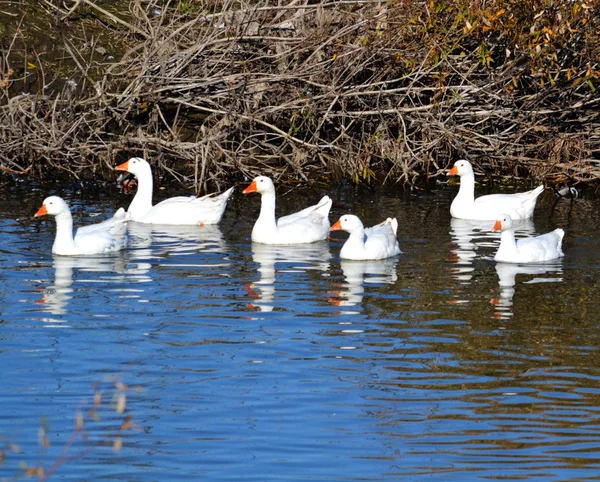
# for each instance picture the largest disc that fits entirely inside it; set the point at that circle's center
(204, 357)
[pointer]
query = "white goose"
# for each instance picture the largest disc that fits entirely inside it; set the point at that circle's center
(526, 250)
(487, 208)
(99, 238)
(181, 210)
(377, 242)
(306, 226)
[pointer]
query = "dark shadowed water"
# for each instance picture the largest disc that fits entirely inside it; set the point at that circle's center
(217, 359)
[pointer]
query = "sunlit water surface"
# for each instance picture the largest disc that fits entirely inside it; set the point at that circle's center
(247, 362)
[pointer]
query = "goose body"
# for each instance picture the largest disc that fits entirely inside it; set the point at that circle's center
(306, 226)
(106, 237)
(488, 208)
(527, 250)
(180, 210)
(376, 242)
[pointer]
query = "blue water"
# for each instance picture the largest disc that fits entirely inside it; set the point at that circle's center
(216, 359)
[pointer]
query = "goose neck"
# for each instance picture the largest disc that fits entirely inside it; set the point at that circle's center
(142, 201)
(267, 208)
(355, 244)
(508, 245)
(64, 233)
(357, 236)
(466, 191)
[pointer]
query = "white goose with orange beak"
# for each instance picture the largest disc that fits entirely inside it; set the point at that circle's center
(179, 210)
(526, 250)
(306, 226)
(376, 242)
(487, 208)
(106, 237)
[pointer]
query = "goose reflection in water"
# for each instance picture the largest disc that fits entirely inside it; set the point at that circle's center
(56, 297)
(155, 244)
(507, 273)
(155, 240)
(298, 258)
(470, 236)
(359, 273)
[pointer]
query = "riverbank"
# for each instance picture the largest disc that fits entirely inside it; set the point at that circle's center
(372, 92)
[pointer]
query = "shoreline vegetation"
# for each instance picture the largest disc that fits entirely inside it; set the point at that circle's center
(368, 91)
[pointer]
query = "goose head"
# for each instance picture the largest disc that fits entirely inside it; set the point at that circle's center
(136, 166)
(503, 222)
(52, 206)
(348, 223)
(260, 184)
(461, 168)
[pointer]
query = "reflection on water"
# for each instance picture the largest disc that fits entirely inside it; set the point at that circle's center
(291, 259)
(55, 298)
(337, 371)
(86, 270)
(178, 240)
(507, 274)
(356, 275)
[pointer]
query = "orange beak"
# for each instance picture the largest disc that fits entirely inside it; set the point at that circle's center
(41, 212)
(337, 226)
(122, 167)
(451, 172)
(497, 226)
(250, 188)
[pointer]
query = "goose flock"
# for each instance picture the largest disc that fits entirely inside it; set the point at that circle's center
(308, 225)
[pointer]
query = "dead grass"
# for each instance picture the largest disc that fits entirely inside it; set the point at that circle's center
(366, 90)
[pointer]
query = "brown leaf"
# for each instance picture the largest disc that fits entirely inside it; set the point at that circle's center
(78, 421)
(127, 423)
(121, 386)
(117, 444)
(121, 403)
